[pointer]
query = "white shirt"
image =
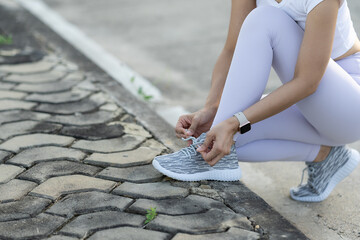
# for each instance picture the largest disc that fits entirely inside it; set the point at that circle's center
(298, 10)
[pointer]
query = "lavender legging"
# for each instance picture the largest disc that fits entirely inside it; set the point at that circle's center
(330, 116)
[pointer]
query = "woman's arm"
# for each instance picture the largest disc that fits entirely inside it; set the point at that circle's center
(196, 123)
(313, 59)
(239, 10)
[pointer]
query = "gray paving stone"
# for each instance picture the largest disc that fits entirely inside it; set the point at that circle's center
(33, 140)
(109, 107)
(4, 155)
(127, 142)
(26, 207)
(29, 157)
(42, 171)
(9, 104)
(210, 193)
(84, 105)
(27, 68)
(7, 94)
(52, 87)
(190, 205)
(232, 234)
(88, 223)
(15, 189)
(214, 220)
(25, 127)
(80, 203)
(153, 144)
(31, 228)
(158, 190)
(87, 85)
(139, 156)
(16, 115)
(62, 97)
(61, 237)
(94, 132)
(50, 76)
(8, 172)
(135, 129)
(57, 186)
(86, 119)
(6, 86)
(126, 233)
(140, 174)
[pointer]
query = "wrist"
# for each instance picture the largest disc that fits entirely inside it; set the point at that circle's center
(211, 108)
(233, 124)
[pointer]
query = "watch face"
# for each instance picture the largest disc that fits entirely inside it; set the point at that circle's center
(245, 128)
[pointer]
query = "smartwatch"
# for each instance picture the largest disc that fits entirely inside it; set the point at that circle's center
(245, 125)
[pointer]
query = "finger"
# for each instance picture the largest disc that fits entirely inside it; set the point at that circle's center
(193, 126)
(213, 154)
(207, 144)
(182, 125)
(215, 160)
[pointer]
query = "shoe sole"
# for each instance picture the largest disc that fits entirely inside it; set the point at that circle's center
(218, 175)
(342, 173)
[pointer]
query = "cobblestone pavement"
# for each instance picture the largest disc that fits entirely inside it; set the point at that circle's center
(74, 164)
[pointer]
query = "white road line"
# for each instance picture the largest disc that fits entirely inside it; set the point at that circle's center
(118, 70)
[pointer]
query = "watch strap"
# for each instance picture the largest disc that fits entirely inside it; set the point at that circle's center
(241, 118)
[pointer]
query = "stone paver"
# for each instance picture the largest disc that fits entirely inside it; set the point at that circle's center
(140, 156)
(232, 234)
(140, 174)
(84, 105)
(27, 126)
(57, 186)
(87, 85)
(50, 76)
(51, 87)
(86, 118)
(88, 223)
(33, 140)
(27, 68)
(8, 172)
(126, 233)
(11, 94)
(31, 228)
(80, 203)
(94, 132)
(109, 107)
(153, 144)
(16, 115)
(190, 205)
(135, 129)
(62, 97)
(27, 207)
(15, 189)
(6, 86)
(4, 155)
(61, 237)
(158, 190)
(214, 220)
(42, 171)
(29, 157)
(9, 104)
(127, 142)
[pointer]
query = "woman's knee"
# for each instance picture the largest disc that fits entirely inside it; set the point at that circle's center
(266, 16)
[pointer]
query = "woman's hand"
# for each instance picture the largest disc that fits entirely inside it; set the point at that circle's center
(218, 141)
(196, 123)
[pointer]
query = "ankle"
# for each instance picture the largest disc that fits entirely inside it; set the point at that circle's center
(323, 153)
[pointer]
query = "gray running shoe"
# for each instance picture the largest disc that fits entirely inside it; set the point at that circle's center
(325, 175)
(188, 164)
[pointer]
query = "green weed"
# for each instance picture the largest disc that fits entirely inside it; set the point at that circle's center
(150, 215)
(5, 39)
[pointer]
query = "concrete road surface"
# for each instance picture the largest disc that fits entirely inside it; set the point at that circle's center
(175, 44)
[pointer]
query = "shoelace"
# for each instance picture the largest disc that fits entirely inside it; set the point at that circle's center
(191, 150)
(311, 171)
